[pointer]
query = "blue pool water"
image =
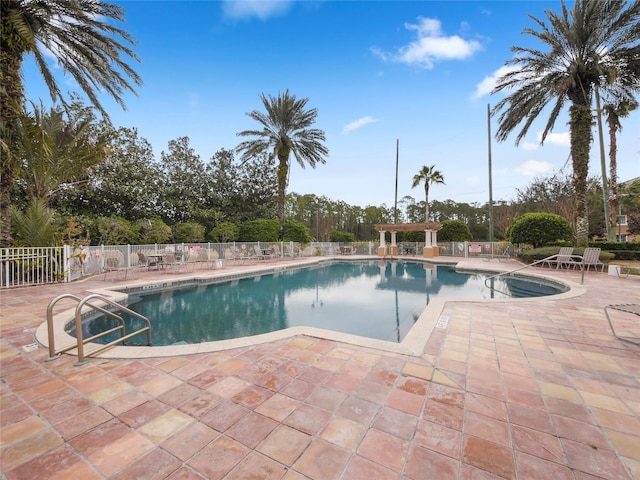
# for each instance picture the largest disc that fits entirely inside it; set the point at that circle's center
(376, 299)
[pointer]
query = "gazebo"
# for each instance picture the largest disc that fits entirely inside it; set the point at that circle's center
(430, 242)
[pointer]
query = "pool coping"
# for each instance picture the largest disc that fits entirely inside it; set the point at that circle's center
(413, 344)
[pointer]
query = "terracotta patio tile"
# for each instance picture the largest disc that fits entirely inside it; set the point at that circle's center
(361, 468)
(469, 472)
(156, 465)
(138, 416)
(579, 432)
(201, 404)
(594, 461)
(529, 399)
(342, 383)
(359, 410)
(423, 463)
(447, 415)
(82, 422)
(257, 466)
(206, 378)
(165, 425)
(530, 417)
(185, 443)
(568, 409)
(397, 423)
(405, 402)
(625, 444)
(298, 389)
(252, 397)
(120, 453)
(178, 395)
(344, 433)
(488, 456)
(385, 449)
(322, 461)
(439, 438)
(78, 470)
(487, 428)
(44, 465)
(488, 406)
(99, 437)
(308, 419)
(278, 407)
(326, 398)
(218, 458)
(285, 444)
(372, 392)
(224, 415)
(315, 375)
(20, 430)
(227, 387)
(251, 429)
(537, 443)
(534, 468)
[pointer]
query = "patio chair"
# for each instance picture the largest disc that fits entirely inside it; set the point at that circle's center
(590, 258)
(626, 308)
(203, 259)
(562, 259)
(114, 265)
(146, 262)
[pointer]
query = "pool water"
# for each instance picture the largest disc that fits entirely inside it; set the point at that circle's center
(375, 299)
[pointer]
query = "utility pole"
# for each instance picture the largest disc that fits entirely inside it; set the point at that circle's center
(490, 175)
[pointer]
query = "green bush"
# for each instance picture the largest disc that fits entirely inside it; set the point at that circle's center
(116, 230)
(454, 231)
(342, 237)
(260, 230)
(539, 229)
(153, 230)
(224, 232)
(188, 232)
(296, 232)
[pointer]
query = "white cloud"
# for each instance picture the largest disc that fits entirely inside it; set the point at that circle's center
(532, 168)
(485, 87)
(561, 139)
(529, 146)
(431, 45)
(263, 9)
(358, 123)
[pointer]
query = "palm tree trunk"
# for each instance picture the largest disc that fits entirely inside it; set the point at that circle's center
(11, 93)
(426, 201)
(282, 174)
(580, 126)
(613, 169)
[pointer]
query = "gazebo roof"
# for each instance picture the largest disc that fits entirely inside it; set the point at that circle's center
(408, 227)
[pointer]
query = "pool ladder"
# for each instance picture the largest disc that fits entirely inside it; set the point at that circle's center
(82, 302)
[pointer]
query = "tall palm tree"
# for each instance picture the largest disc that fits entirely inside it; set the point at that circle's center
(428, 175)
(80, 34)
(593, 44)
(285, 131)
(613, 113)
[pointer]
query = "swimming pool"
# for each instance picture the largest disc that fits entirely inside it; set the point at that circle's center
(375, 299)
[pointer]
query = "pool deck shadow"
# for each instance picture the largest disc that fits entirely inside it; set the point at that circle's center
(518, 389)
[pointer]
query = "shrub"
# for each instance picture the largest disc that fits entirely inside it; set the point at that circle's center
(153, 230)
(224, 232)
(341, 236)
(260, 230)
(296, 232)
(189, 232)
(539, 229)
(116, 230)
(454, 231)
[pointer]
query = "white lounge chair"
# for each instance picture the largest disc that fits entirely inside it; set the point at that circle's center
(590, 258)
(562, 259)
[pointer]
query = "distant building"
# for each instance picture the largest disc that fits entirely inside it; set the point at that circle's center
(620, 225)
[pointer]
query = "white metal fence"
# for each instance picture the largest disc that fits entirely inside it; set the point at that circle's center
(26, 266)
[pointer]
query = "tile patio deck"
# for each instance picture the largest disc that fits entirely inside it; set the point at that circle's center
(516, 390)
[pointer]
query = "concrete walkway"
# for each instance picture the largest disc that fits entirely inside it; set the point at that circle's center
(504, 389)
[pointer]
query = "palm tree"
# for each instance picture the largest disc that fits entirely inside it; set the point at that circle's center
(613, 113)
(594, 44)
(428, 175)
(56, 151)
(285, 131)
(86, 45)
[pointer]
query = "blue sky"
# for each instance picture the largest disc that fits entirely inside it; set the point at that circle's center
(417, 72)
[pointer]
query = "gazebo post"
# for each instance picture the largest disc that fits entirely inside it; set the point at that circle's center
(434, 243)
(427, 251)
(382, 249)
(393, 249)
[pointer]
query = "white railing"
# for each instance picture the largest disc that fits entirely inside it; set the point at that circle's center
(24, 266)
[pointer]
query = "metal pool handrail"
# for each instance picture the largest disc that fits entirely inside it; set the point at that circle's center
(80, 341)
